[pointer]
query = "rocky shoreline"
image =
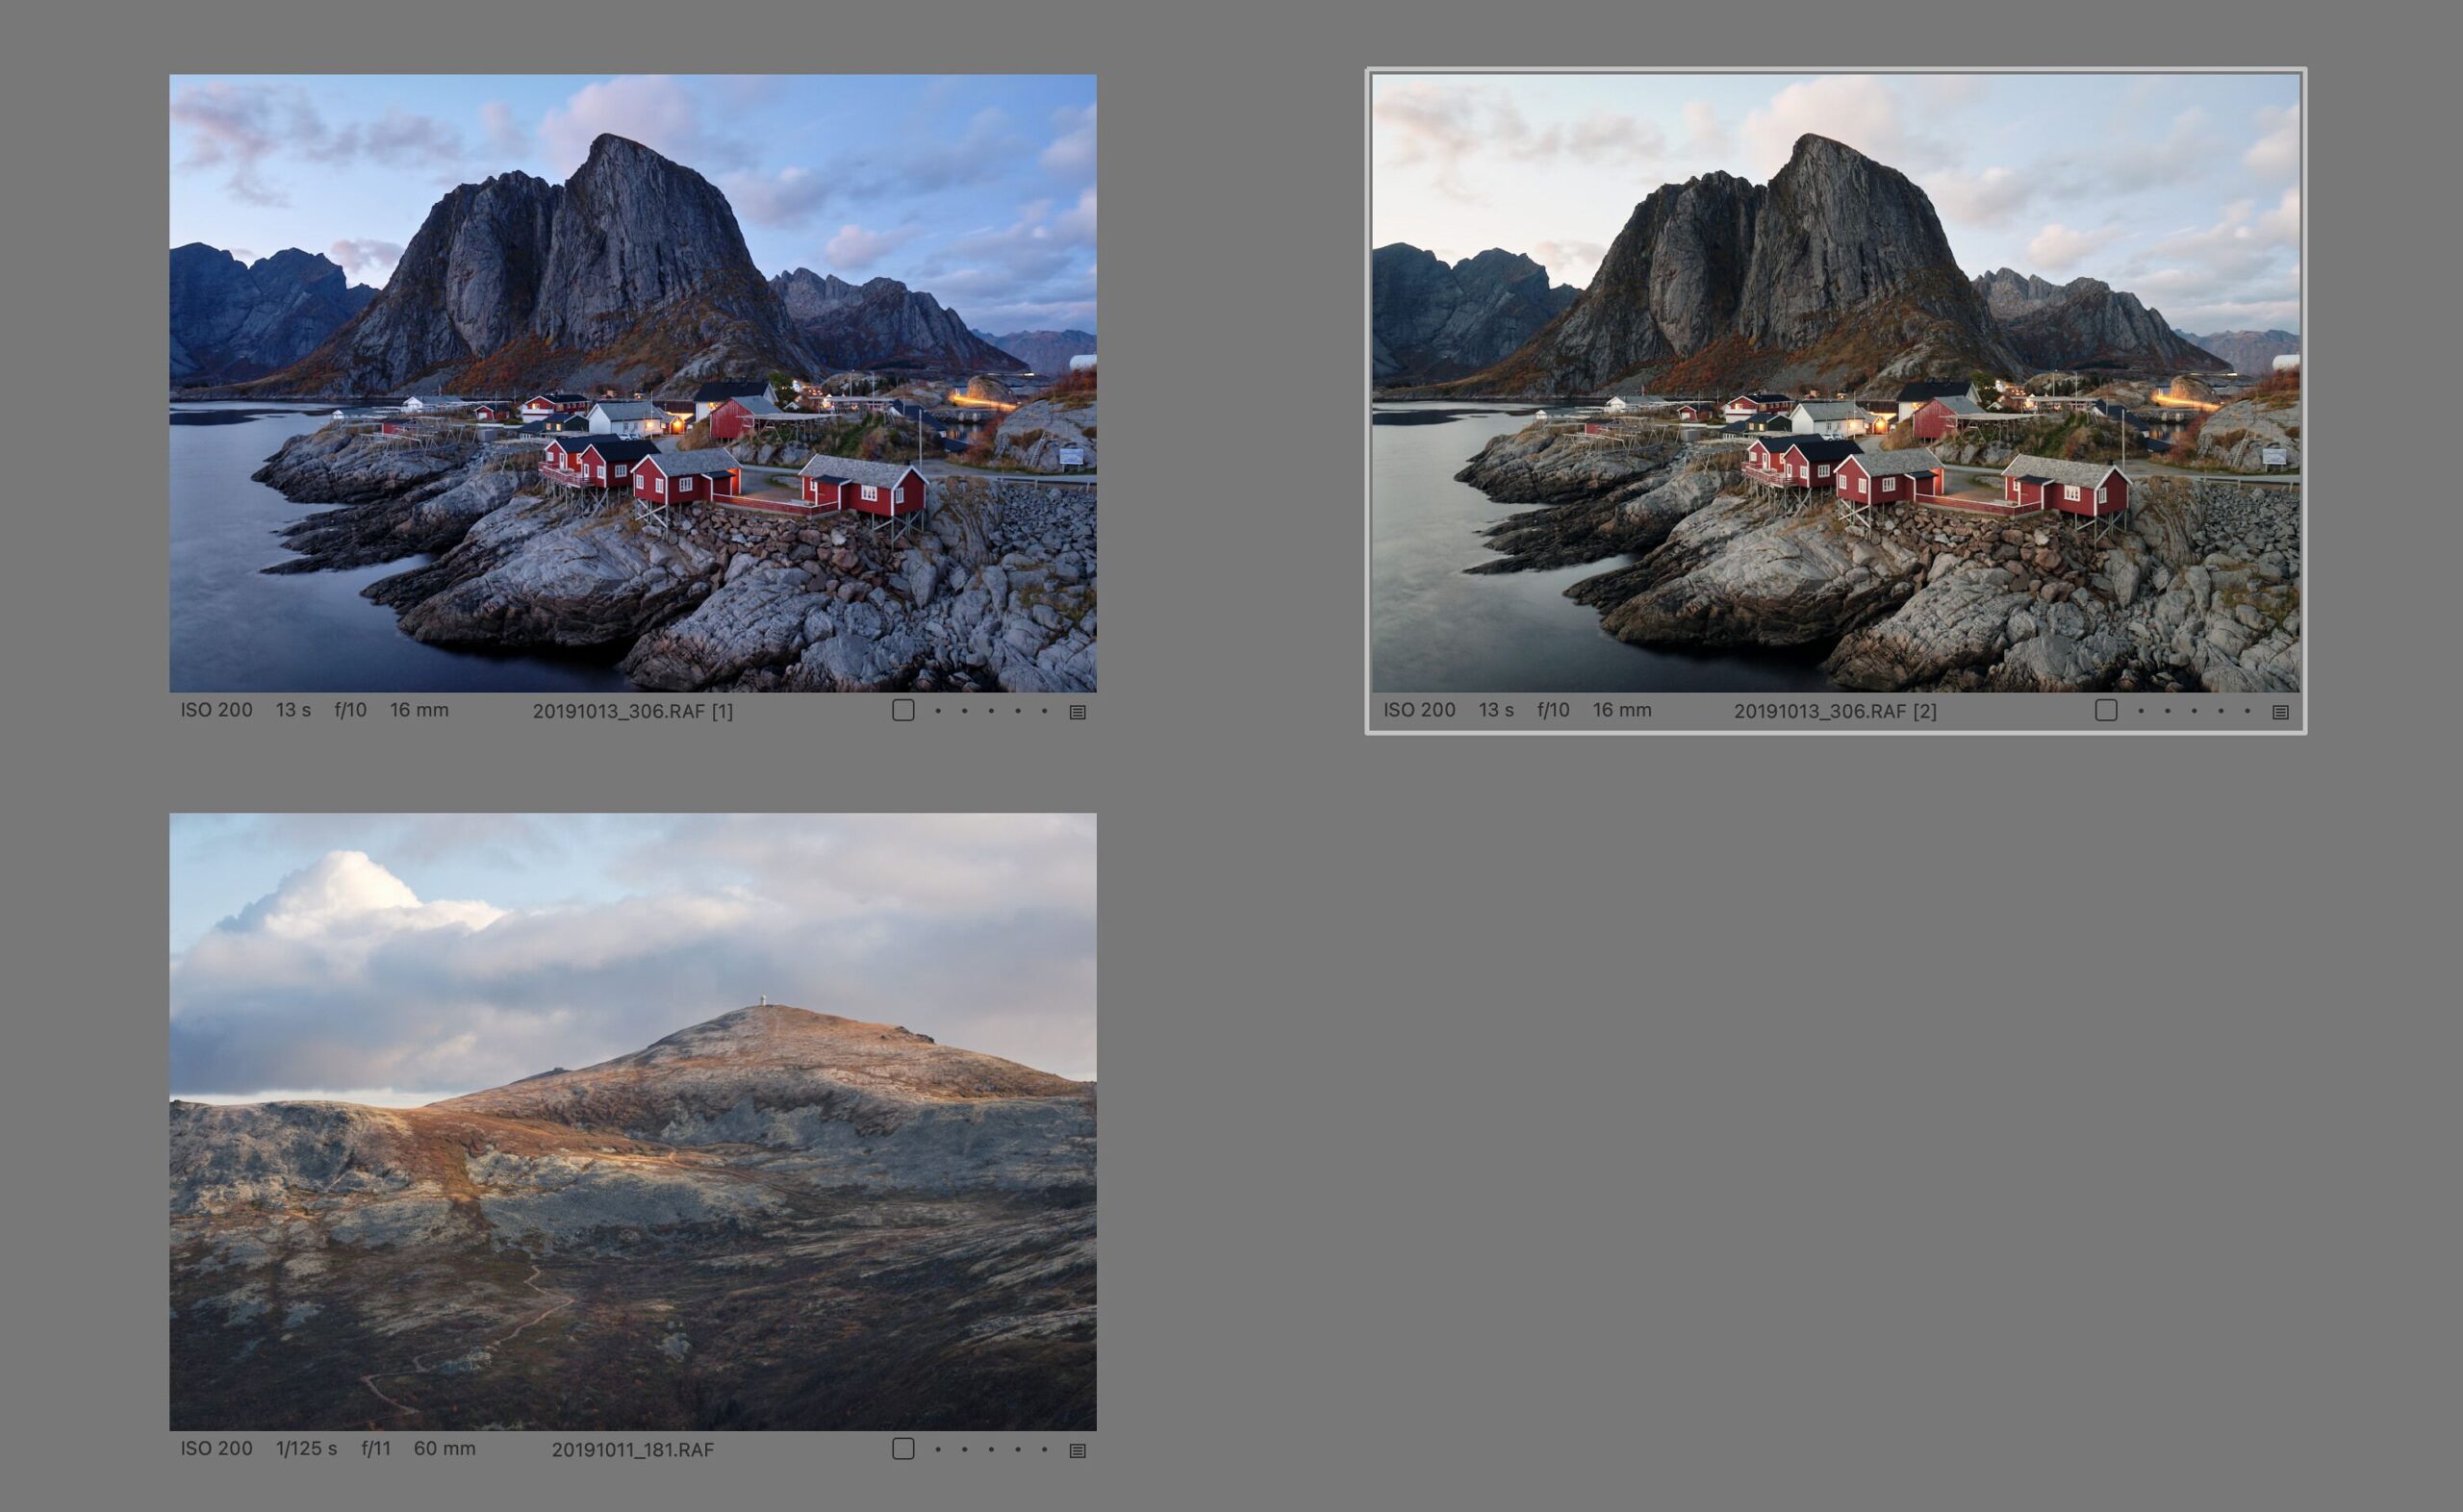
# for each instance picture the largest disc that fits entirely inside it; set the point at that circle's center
(2200, 591)
(995, 591)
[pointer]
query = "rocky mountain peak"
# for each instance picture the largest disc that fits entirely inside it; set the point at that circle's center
(882, 323)
(2085, 323)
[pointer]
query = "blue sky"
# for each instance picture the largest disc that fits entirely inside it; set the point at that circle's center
(2182, 188)
(978, 188)
(398, 959)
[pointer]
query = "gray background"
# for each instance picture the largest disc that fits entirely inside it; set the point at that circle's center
(1688, 1124)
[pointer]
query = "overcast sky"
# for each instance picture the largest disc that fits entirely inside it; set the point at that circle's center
(396, 960)
(978, 189)
(2182, 188)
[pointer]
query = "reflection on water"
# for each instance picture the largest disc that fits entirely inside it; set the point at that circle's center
(234, 629)
(1434, 628)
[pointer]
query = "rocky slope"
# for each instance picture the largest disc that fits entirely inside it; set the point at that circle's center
(883, 324)
(1836, 272)
(1431, 321)
(2086, 324)
(2202, 590)
(234, 321)
(1033, 435)
(2237, 437)
(2251, 351)
(1044, 351)
(632, 274)
(775, 1218)
(996, 590)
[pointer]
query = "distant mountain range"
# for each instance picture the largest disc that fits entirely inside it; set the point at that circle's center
(1837, 274)
(1045, 351)
(233, 320)
(882, 324)
(2251, 351)
(631, 274)
(775, 1219)
(1431, 321)
(2086, 323)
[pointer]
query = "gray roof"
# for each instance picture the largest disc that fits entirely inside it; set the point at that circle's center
(846, 469)
(758, 404)
(1882, 464)
(1829, 410)
(1919, 392)
(1957, 404)
(709, 459)
(2053, 470)
(628, 410)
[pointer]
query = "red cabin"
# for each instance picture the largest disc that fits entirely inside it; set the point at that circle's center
(743, 414)
(1797, 461)
(1891, 477)
(2093, 489)
(1699, 413)
(1936, 419)
(874, 487)
(609, 460)
(686, 477)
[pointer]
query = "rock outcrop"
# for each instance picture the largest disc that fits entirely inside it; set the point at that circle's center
(1836, 272)
(2086, 324)
(2237, 437)
(631, 274)
(1430, 321)
(233, 320)
(883, 324)
(1033, 435)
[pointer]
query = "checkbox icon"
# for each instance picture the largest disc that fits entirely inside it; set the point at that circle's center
(2107, 710)
(901, 1449)
(902, 708)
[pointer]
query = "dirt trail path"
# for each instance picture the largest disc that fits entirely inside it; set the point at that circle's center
(419, 1362)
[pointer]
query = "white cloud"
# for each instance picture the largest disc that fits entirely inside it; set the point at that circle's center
(1569, 262)
(1705, 134)
(1072, 153)
(2058, 248)
(1990, 197)
(656, 110)
(855, 248)
(505, 137)
(364, 260)
(2282, 225)
(787, 196)
(2277, 153)
(976, 929)
(1854, 109)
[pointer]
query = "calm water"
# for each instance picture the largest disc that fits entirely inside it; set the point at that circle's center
(233, 629)
(1436, 629)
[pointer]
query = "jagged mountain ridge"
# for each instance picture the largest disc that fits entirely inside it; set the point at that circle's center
(2249, 351)
(773, 1219)
(2086, 323)
(882, 323)
(1431, 320)
(231, 320)
(1836, 272)
(1044, 351)
(633, 274)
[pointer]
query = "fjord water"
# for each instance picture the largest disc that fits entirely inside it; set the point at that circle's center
(1435, 628)
(234, 629)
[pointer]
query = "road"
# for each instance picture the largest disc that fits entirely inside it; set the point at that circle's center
(419, 1362)
(2141, 468)
(947, 469)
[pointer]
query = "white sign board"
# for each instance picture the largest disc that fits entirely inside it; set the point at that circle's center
(2276, 457)
(1071, 457)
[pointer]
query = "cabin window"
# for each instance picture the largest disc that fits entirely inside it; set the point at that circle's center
(2099, 495)
(620, 469)
(2070, 492)
(1822, 472)
(871, 491)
